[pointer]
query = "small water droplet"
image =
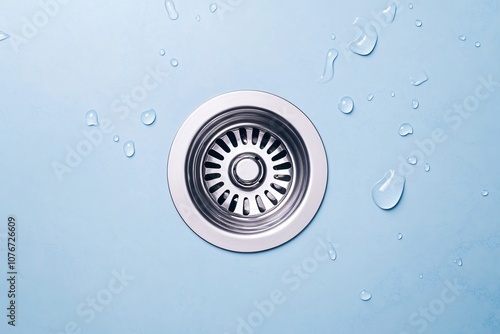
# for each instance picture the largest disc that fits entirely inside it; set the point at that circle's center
(162, 52)
(148, 117)
(365, 295)
(328, 72)
(462, 38)
(213, 7)
(418, 23)
(484, 192)
(346, 104)
(412, 160)
(427, 167)
(174, 62)
(410, 5)
(390, 12)
(129, 148)
(421, 276)
(332, 253)
(419, 78)
(405, 129)
(400, 236)
(366, 38)
(414, 104)
(387, 192)
(370, 97)
(332, 36)
(3, 36)
(478, 44)
(198, 18)
(459, 262)
(392, 93)
(91, 118)
(171, 11)
(116, 139)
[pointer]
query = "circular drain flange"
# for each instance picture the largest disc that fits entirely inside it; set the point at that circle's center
(247, 171)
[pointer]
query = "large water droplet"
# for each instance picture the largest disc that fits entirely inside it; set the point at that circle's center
(418, 23)
(414, 104)
(366, 37)
(419, 78)
(171, 11)
(392, 93)
(365, 295)
(485, 193)
(332, 36)
(91, 118)
(478, 44)
(400, 236)
(387, 192)
(327, 75)
(116, 139)
(3, 36)
(410, 5)
(405, 129)
(370, 97)
(390, 12)
(459, 262)
(174, 62)
(148, 117)
(427, 167)
(213, 7)
(462, 38)
(346, 104)
(162, 52)
(129, 148)
(332, 253)
(412, 160)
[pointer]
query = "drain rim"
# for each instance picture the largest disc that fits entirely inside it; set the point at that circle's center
(311, 198)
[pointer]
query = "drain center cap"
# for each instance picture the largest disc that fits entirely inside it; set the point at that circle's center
(247, 170)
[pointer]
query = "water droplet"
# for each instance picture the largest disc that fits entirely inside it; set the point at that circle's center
(418, 23)
(365, 295)
(129, 148)
(392, 93)
(174, 62)
(91, 118)
(370, 97)
(116, 139)
(327, 75)
(459, 262)
(198, 18)
(346, 104)
(462, 38)
(412, 160)
(400, 236)
(421, 276)
(3, 36)
(332, 253)
(332, 36)
(427, 167)
(390, 12)
(405, 129)
(148, 117)
(162, 52)
(213, 7)
(171, 11)
(414, 104)
(387, 192)
(419, 78)
(478, 44)
(366, 37)
(410, 5)
(485, 193)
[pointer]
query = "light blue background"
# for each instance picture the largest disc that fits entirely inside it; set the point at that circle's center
(114, 213)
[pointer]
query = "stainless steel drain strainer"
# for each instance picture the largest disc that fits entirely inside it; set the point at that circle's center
(247, 171)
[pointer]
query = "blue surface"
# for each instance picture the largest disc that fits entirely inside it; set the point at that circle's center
(113, 214)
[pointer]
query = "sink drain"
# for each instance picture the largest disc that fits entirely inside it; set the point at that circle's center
(247, 171)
